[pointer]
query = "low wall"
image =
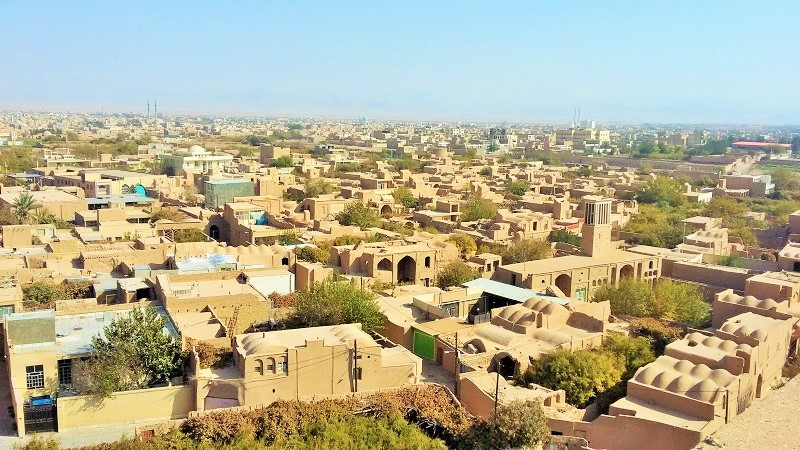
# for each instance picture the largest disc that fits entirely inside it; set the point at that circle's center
(165, 403)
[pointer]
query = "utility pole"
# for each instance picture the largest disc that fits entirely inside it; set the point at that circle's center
(497, 388)
(355, 363)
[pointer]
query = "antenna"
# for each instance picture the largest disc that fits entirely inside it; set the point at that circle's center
(155, 107)
(579, 117)
(148, 108)
(574, 115)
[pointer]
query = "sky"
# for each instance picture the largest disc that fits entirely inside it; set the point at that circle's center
(505, 61)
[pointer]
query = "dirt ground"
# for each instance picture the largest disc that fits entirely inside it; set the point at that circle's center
(772, 422)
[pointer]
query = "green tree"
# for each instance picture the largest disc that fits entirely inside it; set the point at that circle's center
(43, 294)
(283, 161)
(564, 236)
(732, 261)
(312, 254)
(314, 187)
(23, 206)
(405, 196)
(357, 214)
(785, 179)
(518, 187)
(477, 208)
(289, 237)
(582, 374)
(667, 300)
(634, 351)
(662, 191)
(455, 273)
(486, 171)
(334, 303)
(724, 207)
(524, 250)
(518, 424)
(585, 171)
(132, 352)
(190, 235)
(465, 243)
(347, 239)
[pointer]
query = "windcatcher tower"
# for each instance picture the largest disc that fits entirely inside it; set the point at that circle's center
(596, 231)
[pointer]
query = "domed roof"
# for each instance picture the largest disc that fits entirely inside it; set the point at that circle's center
(647, 374)
(196, 149)
(684, 366)
(663, 379)
(701, 371)
(681, 384)
(704, 391)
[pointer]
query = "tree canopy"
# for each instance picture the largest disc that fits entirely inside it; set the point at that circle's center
(466, 244)
(667, 300)
(132, 352)
(582, 374)
(23, 206)
(283, 161)
(662, 191)
(334, 303)
(404, 196)
(477, 208)
(564, 236)
(524, 250)
(455, 273)
(357, 214)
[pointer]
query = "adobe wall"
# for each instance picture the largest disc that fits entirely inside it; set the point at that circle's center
(725, 277)
(171, 402)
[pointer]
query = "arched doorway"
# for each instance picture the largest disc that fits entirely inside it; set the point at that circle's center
(507, 367)
(385, 264)
(626, 272)
(386, 210)
(213, 231)
(406, 270)
(758, 386)
(564, 282)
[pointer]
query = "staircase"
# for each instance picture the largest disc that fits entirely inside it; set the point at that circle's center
(233, 319)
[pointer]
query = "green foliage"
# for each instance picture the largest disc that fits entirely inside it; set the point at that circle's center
(582, 374)
(23, 205)
(190, 235)
(486, 171)
(414, 165)
(465, 243)
(724, 207)
(289, 237)
(585, 171)
(44, 294)
(396, 227)
(331, 303)
(312, 254)
(662, 191)
(658, 227)
(404, 196)
(524, 250)
(455, 273)
(519, 424)
(283, 161)
(732, 261)
(667, 300)
(43, 216)
(132, 352)
(564, 236)
(659, 334)
(785, 179)
(635, 352)
(172, 215)
(347, 239)
(357, 214)
(314, 187)
(477, 208)
(38, 442)
(518, 187)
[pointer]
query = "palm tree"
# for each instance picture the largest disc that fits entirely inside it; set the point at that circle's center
(23, 205)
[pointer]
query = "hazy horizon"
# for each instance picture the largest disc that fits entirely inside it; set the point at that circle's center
(627, 62)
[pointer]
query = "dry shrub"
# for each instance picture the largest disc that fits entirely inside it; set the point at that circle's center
(281, 300)
(211, 355)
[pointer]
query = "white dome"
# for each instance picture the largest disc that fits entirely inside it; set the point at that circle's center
(196, 149)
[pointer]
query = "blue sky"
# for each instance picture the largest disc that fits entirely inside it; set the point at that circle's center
(638, 61)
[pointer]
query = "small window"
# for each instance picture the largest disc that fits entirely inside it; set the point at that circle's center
(282, 367)
(357, 372)
(35, 376)
(65, 372)
(428, 261)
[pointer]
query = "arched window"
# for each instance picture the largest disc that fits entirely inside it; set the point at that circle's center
(271, 365)
(260, 366)
(428, 261)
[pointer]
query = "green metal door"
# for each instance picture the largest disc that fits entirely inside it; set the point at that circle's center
(423, 344)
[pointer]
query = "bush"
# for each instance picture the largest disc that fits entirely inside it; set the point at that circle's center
(332, 303)
(357, 214)
(662, 191)
(190, 235)
(211, 355)
(283, 161)
(346, 240)
(659, 334)
(518, 187)
(465, 243)
(564, 236)
(582, 374)
(312, 254)
(455, 274)
(404, 196)
(667, 300)
(524, 250)
(477, 208)
(44, 294)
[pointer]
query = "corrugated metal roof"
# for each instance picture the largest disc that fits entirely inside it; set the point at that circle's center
(510, 292)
